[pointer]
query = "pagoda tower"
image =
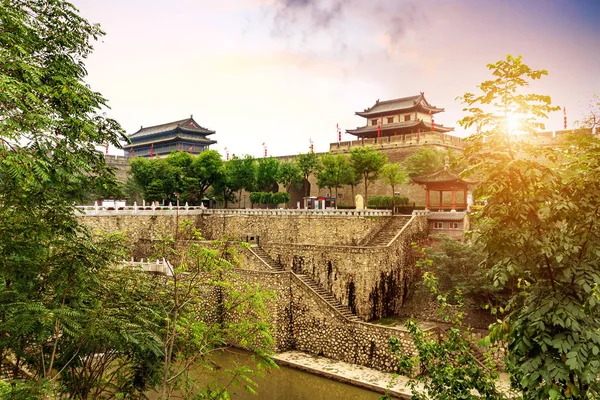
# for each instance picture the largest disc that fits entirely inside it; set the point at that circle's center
(406, 115)
(160, 140)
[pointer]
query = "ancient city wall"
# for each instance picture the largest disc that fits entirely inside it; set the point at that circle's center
(325, 230)
(305, 322)
(371, 281)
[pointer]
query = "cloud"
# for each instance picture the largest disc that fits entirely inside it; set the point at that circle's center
(354, 29)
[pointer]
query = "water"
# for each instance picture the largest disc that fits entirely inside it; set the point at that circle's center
(291, 384)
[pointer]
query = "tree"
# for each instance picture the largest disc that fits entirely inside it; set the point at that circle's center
(447, 367)
(290, 175)
(267, 173)
(50, 124)
(206, 168)
(429, 160)
(539, 229)
(308, 163)
(230, 182)
(247, 175)
(352, 179)
(592, 119)
(334, 172)
(393, 174)
(194, 331)
(367, 162)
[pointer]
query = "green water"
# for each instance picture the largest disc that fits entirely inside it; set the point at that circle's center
(290, 384)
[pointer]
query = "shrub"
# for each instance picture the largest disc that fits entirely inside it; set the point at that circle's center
(387, 201)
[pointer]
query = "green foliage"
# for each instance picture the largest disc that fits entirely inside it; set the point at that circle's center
(255, 197)
(334, 172)
(459, 265)
(280, 198)
(429, 160)
(539, 229)
(206, 168)
(180, 172)
(290, 175)
(367, 163)
(447, 365)
(155, 191)
(387, 201)
(308, 163)
(208, 308)
(267, 173)
(393, 174)
(269, 197)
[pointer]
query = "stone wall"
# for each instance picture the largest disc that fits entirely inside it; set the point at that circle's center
(303, 321)
(372, 281)
(318, 329)
(319, 229)
(139, 227)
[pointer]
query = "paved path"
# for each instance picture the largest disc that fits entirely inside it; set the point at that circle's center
(345, 372)
(357, 375)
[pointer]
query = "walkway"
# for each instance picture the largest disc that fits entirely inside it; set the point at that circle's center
(345, 372)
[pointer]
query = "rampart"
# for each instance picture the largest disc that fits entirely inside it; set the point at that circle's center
(325, 227)
(372, 281)
(303, 321)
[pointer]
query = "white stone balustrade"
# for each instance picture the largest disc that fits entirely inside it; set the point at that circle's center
(162, 267)
(96, 210)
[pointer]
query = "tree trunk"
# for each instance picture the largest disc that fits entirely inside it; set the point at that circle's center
(336, 197)
(366, 202)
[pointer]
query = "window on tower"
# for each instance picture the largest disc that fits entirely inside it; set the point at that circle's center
(407, 117)
(373, 122)
(390, 120)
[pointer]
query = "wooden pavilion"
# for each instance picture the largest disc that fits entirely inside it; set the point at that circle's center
(403, 116)
(445, 181)
(161, 140)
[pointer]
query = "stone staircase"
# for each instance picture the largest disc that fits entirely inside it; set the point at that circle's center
(388, 231)
(325, 295)
(308, 281)
(264, 257)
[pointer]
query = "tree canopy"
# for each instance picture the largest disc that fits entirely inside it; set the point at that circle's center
(539, 232)
(367, 163)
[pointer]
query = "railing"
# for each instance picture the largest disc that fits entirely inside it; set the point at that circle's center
(409, 139)
(162, 267)
(192, 210)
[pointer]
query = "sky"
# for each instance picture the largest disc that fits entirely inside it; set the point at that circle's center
(285, 72)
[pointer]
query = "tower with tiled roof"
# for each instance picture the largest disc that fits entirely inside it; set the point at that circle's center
(406, 115)
(160, 140)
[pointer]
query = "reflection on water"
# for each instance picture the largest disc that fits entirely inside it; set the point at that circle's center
(290, 384)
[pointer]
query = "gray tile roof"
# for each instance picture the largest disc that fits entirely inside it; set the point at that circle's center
(184, 125)
(403, 103)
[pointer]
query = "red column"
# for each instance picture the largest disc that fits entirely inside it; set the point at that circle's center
(441, 200)
(427, 205)
(453, 200)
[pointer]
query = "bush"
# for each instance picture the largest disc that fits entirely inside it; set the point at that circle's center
(269, 197)
(255, 197)
(280, 198)
(387, 201)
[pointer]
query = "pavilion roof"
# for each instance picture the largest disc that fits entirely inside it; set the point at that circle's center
(169, 138)
(401, 104)
(187, 125)
(398, 125)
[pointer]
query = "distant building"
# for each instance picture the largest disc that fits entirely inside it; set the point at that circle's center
(160, 140)
(397, 117)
